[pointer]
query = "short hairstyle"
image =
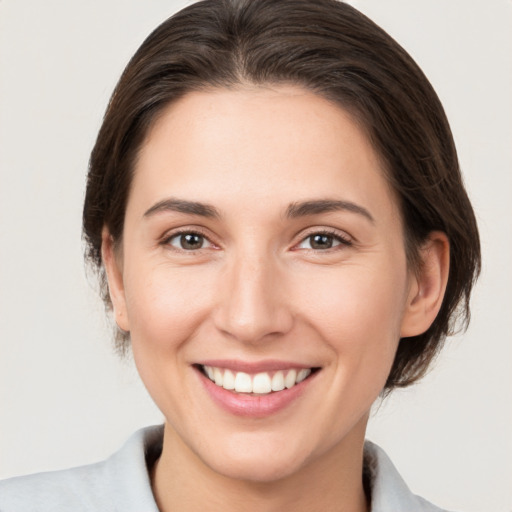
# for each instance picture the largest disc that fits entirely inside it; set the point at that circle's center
(331, 49)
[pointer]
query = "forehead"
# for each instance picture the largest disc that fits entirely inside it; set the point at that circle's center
(270, 143)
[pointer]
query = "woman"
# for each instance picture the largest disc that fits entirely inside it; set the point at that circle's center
(275, 207)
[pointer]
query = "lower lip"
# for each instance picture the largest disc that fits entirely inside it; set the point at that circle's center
(254, 406)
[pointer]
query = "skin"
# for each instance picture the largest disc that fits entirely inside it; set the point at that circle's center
(257, 289)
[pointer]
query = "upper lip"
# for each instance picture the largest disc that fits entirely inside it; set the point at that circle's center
(254, 366)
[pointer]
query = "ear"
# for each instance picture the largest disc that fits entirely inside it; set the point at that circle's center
(114, 271)
(428, 285)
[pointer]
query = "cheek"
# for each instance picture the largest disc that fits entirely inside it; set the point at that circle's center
(359, 316)
(164, 300)
(166, 307)
(355, 302)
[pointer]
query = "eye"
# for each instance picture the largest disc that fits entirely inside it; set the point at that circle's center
(322, 241)
(188, 241)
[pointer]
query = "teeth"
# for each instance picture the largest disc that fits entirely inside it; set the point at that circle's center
(301, 375)
(278, 381)
(218, 376)
(289, 380)
(261, 383)
(209, 372)
(229, 380)
(243, 383)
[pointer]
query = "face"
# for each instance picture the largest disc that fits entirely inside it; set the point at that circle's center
(262, 251)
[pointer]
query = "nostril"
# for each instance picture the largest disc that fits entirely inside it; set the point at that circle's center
(252, 305)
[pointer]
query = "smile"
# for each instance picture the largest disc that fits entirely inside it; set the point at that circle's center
(255, 389)
(261, 383)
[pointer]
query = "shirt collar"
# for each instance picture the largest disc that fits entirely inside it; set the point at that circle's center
(389, 492)
(128, 473)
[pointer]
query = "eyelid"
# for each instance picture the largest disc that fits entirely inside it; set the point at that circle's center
(344, 238)
(185, 230)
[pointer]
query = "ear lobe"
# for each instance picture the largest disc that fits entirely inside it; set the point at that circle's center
(115, 279)
(428, 285)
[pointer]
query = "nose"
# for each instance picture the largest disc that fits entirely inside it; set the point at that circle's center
(253, 305)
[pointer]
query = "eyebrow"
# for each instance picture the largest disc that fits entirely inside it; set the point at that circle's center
(182, 206)
(316, 207)
(294, 210)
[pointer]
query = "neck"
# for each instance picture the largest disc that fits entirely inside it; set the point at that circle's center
(331, 482)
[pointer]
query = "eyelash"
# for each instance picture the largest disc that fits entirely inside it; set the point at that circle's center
(342, 240)
(166, 241)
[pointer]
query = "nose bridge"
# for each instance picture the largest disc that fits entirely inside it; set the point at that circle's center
(253, 305)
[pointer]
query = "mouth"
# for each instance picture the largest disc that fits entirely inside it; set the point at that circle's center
(258, 384)
(256, 389)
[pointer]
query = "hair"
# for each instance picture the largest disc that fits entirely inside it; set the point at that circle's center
(331, 49)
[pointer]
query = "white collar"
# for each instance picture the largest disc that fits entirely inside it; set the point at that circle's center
(128, 470)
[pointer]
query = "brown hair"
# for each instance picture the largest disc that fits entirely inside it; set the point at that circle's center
(333, 50)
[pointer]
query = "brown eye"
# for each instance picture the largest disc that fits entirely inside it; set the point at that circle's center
(320, 241)
(323, 241)
(189, 241)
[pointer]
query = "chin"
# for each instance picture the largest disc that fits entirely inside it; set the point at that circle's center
(264, 470)
(257, 461)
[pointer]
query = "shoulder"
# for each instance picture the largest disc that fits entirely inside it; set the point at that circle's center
(388, 490)
(121, 482)
(82, 488)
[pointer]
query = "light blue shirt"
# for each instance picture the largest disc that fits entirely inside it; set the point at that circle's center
(121, 483)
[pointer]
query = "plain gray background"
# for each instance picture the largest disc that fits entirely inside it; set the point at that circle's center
(66, 399)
